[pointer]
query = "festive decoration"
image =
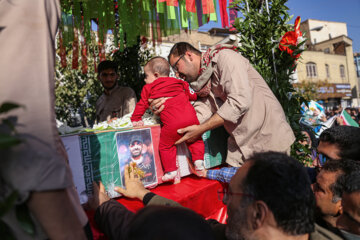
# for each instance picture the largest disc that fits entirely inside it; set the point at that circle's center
(129, 19)
(292, 38)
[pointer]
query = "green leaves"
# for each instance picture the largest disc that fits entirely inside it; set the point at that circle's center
(24, 219)
(22, 215)
(8, 106)
(7, 141)
(7, 204)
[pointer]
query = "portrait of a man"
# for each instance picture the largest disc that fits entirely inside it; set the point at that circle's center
(137, 147)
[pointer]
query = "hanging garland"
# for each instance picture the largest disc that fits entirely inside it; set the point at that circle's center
(128, 19)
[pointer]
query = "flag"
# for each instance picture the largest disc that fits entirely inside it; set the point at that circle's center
(348, 121)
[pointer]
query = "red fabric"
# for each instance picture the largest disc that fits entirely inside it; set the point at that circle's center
(208, 6)
(223, 14)
(174, 3)
(75, 48)
(161, 87)
(190, 6)
(198, 194)
(155, 134)
(178, 113)
(220, 215)
(233, 15)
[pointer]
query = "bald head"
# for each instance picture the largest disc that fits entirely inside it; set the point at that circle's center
(159, 65)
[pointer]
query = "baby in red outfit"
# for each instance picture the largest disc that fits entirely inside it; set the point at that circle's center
(178, 113)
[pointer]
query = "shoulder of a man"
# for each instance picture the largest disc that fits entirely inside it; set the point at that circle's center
(229, 56)
(321, 233)
(100, 100)
(158, 200)
(124, 90)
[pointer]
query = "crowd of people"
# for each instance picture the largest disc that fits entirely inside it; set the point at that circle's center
(336, 111)
(269, 195)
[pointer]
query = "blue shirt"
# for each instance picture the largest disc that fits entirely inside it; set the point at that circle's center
(223, 174)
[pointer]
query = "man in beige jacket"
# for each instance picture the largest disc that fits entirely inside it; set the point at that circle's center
(37, 168)
(232, 93)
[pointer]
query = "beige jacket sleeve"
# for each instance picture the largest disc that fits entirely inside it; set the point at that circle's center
(236, 86)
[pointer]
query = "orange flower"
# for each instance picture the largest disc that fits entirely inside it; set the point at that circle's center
(291, 38)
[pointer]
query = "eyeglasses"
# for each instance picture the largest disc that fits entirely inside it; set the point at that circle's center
(223, 194)
(174, 66)
(322, 158)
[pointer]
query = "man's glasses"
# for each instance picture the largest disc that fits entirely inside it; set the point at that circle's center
(321, 158)
(223, 194)
(174, 66)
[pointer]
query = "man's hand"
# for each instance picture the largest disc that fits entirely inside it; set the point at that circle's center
(99, 196)
(157, 105)
(133, 186)
(339, 121)
(191, 133)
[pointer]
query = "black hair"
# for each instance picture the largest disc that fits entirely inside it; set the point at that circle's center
(343, 184)
(335, 166)
(107, 64)
(180, 48)
(352, 182)
(284, 185)
(160, 65)
(168, 223)
(347, 138)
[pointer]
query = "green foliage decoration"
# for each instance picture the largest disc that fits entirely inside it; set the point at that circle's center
(260, 32)
(131, 62)
(9, 138)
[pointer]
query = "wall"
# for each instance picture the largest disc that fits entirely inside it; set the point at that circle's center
(320, 58)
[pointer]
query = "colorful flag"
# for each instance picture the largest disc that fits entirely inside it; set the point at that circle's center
(348, 121)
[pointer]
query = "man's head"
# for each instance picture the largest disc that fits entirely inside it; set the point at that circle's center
(270, 189)
(135, 146)
(168, 223)
(155, 68)
(185, 60)
(350, 219)
(328, 202)
(107, 74)
(340, 142)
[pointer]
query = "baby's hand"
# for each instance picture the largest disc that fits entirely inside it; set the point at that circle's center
(138, 123)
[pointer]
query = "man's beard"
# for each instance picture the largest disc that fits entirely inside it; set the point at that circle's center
(109, 88)
(238, 225)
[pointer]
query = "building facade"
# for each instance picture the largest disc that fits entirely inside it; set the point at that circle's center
(329, 62)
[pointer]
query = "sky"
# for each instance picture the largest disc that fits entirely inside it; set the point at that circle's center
(347, 11)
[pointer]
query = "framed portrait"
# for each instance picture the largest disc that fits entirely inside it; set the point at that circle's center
(136, 146)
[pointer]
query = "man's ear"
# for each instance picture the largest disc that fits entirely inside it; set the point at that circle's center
(260, 212)
(340, 208)
(190, 55)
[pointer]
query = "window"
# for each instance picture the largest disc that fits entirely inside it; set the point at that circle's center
(311, 70)
(327, 70)
(342, 71)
